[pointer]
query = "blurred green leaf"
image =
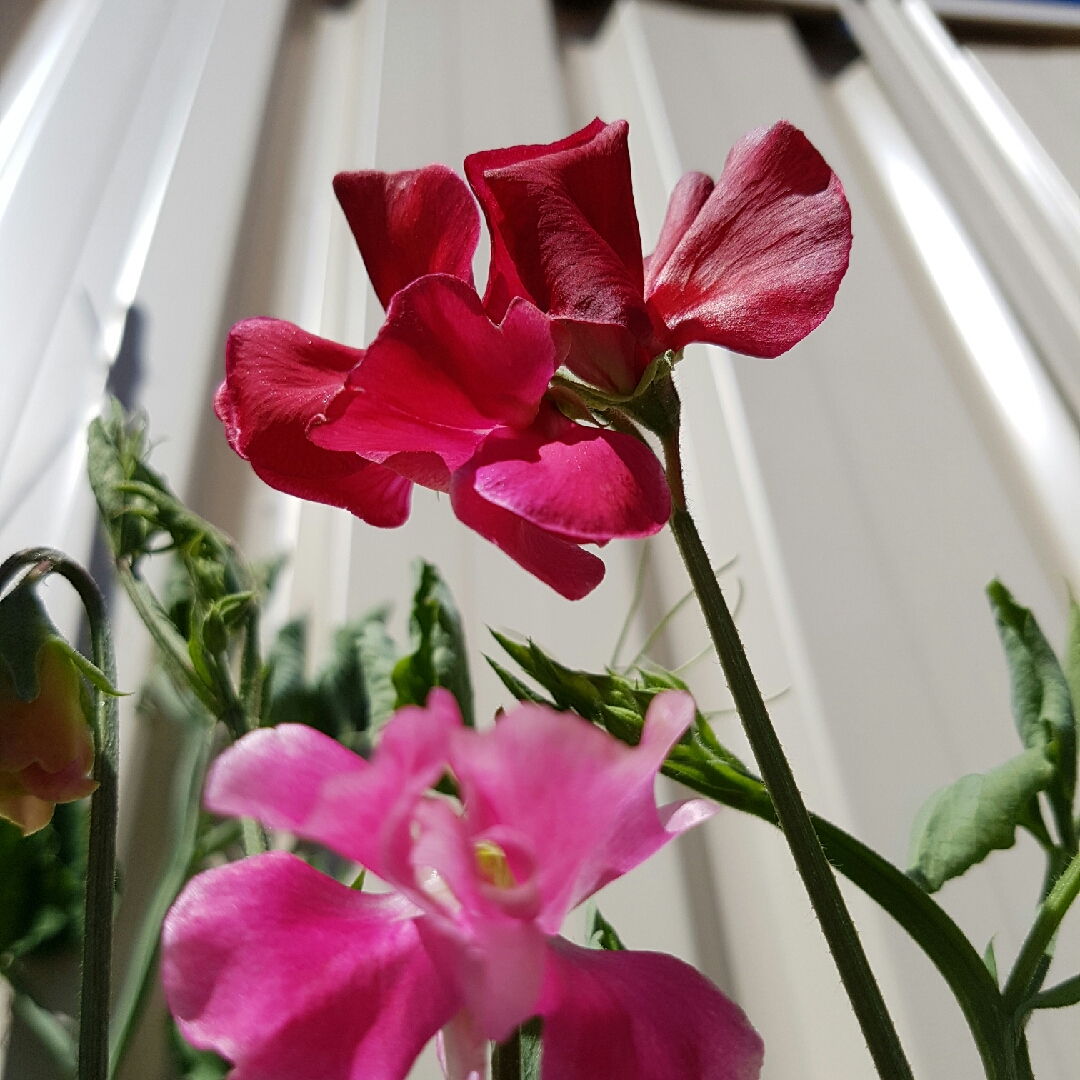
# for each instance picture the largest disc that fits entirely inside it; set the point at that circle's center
(439, 656)
(1041, 702)
(599, 933)
(962, 823)
(42, 880)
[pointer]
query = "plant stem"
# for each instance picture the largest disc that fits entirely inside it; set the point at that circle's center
(828, 904)
(1051, 912)
(93, 1059)
(187, 794)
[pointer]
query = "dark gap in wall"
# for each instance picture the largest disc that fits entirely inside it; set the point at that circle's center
(579, 19)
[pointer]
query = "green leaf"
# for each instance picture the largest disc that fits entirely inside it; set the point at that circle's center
(599, 933)
(1041, 701)
(41, 883)
(990, 960)
(439, 656)
(356, 683)
(1057, 997)
(962, 823)
(287, 696)
(516, 687)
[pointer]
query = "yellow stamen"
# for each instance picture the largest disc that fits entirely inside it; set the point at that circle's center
(492, 864)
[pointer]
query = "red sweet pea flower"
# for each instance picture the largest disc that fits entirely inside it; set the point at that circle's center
(454, 393)
(443, 397)
(751, 263)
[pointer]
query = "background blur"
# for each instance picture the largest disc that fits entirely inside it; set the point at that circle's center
(165, 170)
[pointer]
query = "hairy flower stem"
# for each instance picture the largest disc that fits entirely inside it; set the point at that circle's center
(93, 1059)
(832, 912)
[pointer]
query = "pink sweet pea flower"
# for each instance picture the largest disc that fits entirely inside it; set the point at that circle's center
(751, 263)
(286, 973)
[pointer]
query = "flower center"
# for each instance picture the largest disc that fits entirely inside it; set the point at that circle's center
(492, 865)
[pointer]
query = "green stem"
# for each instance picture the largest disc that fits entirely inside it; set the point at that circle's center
(1051, 912)
(49, 1031)
(925, 921)
(94, 993)
(187, 799)
(828, 904)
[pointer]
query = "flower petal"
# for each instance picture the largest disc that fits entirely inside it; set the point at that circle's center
(689, 196)
(565, 234)
(294, 777)
(569, 570)
(29, 813)
(277, 774)
(286, 973)
(462, 1051)
(758, 267)
(640, 1016)
(440, 376)
(408, 224)
(604, 821)
(278, 379)
(583, 484)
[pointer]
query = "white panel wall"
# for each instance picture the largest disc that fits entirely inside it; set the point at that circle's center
(178, 154)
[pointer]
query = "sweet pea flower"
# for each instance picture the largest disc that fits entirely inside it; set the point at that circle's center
(443, 397)
(287, 973)
(751, 262)
(46, 745)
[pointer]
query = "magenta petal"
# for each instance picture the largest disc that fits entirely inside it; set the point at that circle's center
(440, 376)
(686, 201)
(640, 1016)
(564, 566)
(565, 234)
(462, 1051)
(408, 224)
(759, 266)
(287, 974)
(604, 821)
(366, 815)
(278, 379)
(584, 484)
(276, 775)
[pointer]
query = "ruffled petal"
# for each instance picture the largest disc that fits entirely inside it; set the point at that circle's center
(640, 1016)
(278, 380)
(758, 266)
(569, 570)
(286, 973)
(689, 196)
(583, 484)
(295, 778)
(408, 224)
(497, 967)
(565, 234)
(605, 820)
(440, 376)
(277, 775)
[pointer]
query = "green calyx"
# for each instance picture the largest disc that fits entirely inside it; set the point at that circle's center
(651, 403)
(26, 630)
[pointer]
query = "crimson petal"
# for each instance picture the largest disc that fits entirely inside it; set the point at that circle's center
(287, 973)
(440, 376)
(408, 224)
(565, 234)
(569, 570)
(278, 379)
(583, 484)
(640, 1016)
(758, 266)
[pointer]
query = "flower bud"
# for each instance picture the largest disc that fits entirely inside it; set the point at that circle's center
(46, 744)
